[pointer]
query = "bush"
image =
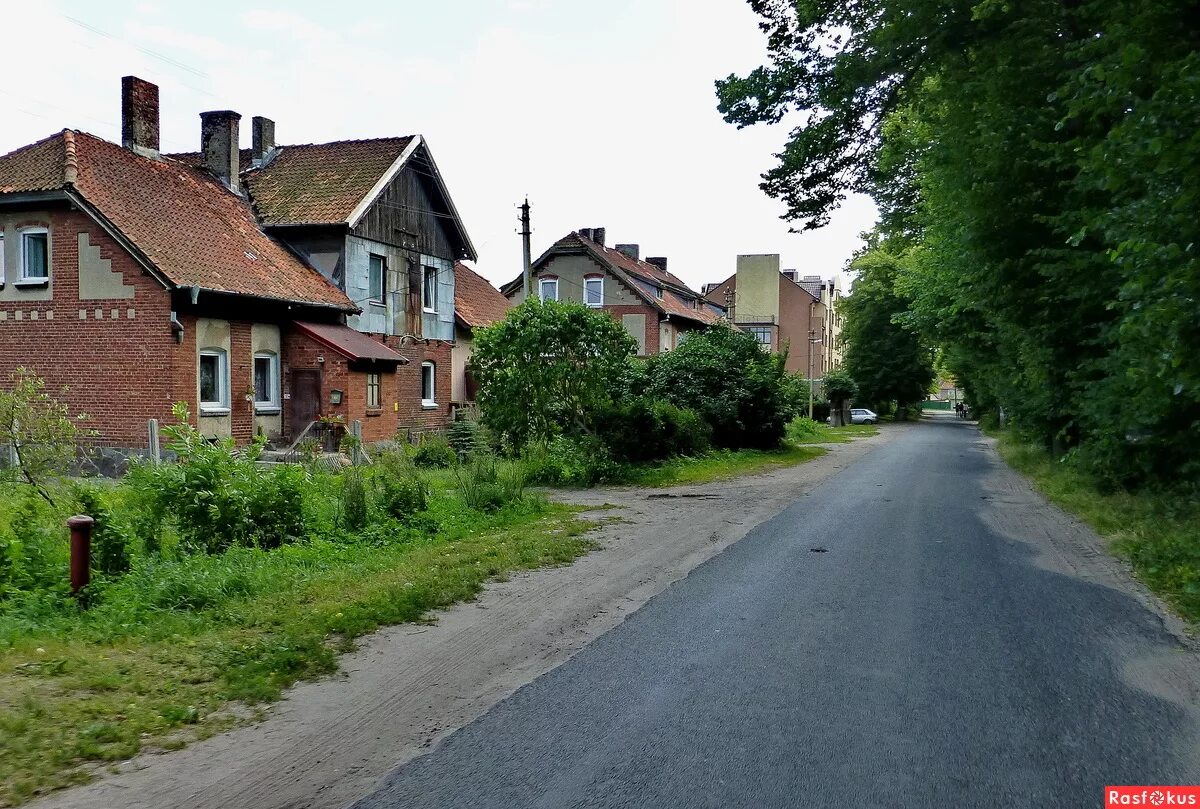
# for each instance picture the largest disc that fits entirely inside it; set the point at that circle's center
(110, 541)
(464, 437)
(435, 452)
(401, 498)
(570, 461)
(354, 500)
(725, 376)
(802, 428)
(643, 430)
(487, 484)
(216, 496)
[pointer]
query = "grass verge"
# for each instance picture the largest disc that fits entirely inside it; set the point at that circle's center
(721, 465)
(1157, 531)
(134, 674)
(825, 434)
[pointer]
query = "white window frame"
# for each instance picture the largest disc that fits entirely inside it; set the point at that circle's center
(429, 292)
(757, 332)
(542, 284)
(431, 367)
(22, 277)
(382, 299)
(658, 293)
(271, 404)
(375, 382)
(2, 278)
(220, 406)
(598, 280)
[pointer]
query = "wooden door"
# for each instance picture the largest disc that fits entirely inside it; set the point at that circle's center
(306, 400)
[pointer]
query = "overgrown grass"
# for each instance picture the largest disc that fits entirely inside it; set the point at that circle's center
(1158, 531)
(720, 465)
(179, 638)
(807, 431)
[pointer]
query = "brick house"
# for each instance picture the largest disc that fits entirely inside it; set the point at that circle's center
(263, 298)
(778, 310)
(476, 303)
(655, 306)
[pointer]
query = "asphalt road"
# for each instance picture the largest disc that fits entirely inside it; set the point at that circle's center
(915, 631)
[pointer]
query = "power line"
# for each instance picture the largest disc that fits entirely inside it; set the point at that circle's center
(153, 54)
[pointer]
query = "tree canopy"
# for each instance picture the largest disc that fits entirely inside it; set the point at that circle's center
(1037, 167)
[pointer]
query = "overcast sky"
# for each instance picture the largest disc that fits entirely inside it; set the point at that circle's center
(603, 113)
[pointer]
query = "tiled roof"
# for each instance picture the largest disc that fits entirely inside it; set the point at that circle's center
(350, 343)
(193, 229)
(476, 302)
(677, 296)
(36, 167)
(320, 183)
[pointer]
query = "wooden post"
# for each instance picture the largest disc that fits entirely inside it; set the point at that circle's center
(155, 452)
(81, 551)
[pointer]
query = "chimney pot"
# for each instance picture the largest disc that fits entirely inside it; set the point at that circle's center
(658, 261)
(219, 145)
(632, 250)
(139, 115)
(263, 131)
(598, 236)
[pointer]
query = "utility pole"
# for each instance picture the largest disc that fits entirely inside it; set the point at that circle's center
(527, 272)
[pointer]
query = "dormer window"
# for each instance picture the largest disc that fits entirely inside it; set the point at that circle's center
(658, 293)
(34, 264)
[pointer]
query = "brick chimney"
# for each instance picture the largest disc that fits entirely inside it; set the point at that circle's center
(632, 250)
(139, 116)
(219, 145)
(658, 261)
(263, 130)
(598, 236)
(585, 233)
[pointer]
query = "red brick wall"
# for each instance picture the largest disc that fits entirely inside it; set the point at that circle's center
(652, 316)
(120, 371)
(400, 409)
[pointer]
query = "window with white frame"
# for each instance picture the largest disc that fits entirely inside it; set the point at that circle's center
(373, 391)
(548, 289)
(377, 279)
(763, 335)
(35, 255)
(593, 292)
(428, 384)
(214, 381)
(658, 292)
(266, 382)
(429, 284)
(1, 258)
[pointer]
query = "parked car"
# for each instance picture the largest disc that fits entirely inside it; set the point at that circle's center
(860, 415)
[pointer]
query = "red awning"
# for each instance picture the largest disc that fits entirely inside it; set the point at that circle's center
(349, 343)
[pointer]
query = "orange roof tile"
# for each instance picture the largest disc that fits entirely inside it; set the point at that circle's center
(192, 228)
(321, 183)
(476, 302)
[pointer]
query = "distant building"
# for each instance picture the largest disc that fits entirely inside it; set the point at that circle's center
(476, 303)
(782, 312)
(656, 307)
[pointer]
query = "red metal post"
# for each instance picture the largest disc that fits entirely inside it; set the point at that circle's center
(81, 551)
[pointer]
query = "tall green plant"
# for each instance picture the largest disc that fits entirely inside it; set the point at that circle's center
(39, 431)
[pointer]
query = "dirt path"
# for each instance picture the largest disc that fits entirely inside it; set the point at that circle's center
(328, 742)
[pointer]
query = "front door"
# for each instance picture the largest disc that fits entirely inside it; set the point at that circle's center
(306, 400)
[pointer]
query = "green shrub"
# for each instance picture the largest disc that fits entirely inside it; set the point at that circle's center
(464, 437)
(724, 375)
(435, 452)
(643, 430)
(570, 461)
(354, 500)
(802, 428)
(488, 484)
(111, 541)
(216, 496)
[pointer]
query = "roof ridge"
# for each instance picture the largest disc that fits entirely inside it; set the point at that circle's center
(70, 160)
(349, 141)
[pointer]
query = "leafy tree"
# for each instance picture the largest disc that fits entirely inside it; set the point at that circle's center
(39, 430)
(839, 386)
(724, 375)
(883, 354)
(547, 368)
(1037, 174)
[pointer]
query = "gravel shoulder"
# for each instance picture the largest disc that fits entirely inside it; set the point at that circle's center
(406, 687)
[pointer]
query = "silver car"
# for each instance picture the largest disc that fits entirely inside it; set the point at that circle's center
(860, 415)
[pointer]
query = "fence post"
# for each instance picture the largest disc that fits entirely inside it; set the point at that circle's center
(81, 551)
(356, 431)
(155, 455)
